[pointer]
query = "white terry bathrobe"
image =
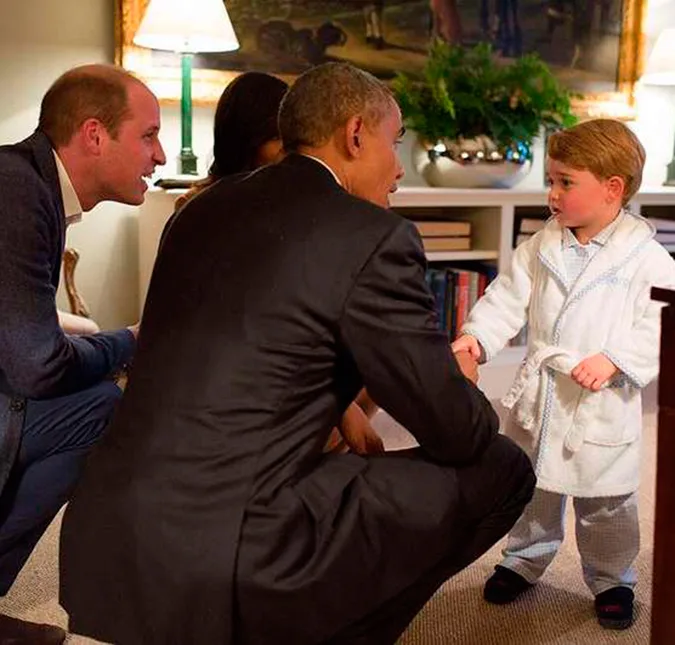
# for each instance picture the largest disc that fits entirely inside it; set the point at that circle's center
(582, 443)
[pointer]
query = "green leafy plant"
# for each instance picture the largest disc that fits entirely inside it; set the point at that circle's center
(469, 92)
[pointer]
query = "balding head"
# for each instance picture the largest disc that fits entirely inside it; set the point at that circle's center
(324, 98)
(103, 124)
(90, 91)
(349, 120)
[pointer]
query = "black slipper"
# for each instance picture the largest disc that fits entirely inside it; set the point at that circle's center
(614, 608)
(504, 586)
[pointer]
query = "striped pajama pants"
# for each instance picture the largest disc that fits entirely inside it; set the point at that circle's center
(607, 532)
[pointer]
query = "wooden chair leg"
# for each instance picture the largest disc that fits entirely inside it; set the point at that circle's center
(77, 304)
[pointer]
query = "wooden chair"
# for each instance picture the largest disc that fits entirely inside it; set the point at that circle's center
(78, 321)
(663, 587)
(77, 304)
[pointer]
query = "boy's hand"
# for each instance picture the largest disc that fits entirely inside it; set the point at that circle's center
(593, 372)
(467, 343)
(468, 365)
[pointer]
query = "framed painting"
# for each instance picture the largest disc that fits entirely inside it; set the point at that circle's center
(594, 46)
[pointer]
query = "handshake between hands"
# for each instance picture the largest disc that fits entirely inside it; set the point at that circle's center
(591, 373)
(355, 434)
(467, 352)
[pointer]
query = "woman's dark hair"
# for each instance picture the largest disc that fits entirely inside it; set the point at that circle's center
(246, 118)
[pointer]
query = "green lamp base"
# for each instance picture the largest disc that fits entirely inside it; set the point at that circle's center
(187, 162)
(670, 176)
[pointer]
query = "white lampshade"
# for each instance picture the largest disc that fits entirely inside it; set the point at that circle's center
(187, 26)
(661, 63)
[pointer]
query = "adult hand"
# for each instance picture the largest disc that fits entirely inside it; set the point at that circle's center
(367, 404)
(467, 343)
(468, 364)
(76, 325)
(134, 329)
(593, 372)
(358, 433)
(336, 442)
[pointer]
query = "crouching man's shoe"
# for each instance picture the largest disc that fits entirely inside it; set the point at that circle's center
(20, 632)
(504, 586)
(614, 608)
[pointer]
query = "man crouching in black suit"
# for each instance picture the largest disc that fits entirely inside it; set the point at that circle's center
(210, 513)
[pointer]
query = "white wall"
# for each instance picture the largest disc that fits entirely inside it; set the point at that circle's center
(39, 39)
(655, 124)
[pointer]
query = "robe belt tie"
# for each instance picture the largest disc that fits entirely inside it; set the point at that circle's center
(558, 360)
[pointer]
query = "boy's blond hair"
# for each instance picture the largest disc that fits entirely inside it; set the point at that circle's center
(605, 147)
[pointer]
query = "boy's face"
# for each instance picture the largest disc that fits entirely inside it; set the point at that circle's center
(577, 198)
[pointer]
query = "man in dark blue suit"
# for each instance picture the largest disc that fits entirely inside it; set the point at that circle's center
(96, 140)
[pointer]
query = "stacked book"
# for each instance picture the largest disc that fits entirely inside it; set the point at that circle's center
(444, 236)
(665, 232)
(456, 291)
(526, 227)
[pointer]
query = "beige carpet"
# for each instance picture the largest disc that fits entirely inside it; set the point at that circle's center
(559, 611)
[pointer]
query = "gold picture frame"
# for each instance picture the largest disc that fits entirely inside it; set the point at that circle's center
(162, 71)
(621, 103)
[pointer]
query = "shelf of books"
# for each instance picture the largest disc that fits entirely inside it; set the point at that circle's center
(457, 233)
(663, 220)
(460, 256)
(456, 290)
(527, 223)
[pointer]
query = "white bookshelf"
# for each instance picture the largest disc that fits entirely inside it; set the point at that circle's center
(453, 197)
(492, 213)
(459, 256)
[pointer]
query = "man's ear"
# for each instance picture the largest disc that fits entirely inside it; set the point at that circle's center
(93, 135)
(354, 136)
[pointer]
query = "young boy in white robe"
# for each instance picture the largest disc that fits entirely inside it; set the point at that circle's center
(582, 284)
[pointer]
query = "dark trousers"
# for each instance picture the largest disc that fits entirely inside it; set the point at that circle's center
(495, 490)
(56, 437)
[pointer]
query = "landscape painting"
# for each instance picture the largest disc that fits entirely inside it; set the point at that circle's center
(593, 46)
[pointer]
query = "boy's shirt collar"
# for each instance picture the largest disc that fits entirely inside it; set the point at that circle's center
(600, 239)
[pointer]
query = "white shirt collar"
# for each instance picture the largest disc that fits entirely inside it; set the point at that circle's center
(326, 166)
(71, 203)
(601, 238)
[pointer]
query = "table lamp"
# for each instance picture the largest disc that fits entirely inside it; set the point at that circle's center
(660, 70)
(186, 27)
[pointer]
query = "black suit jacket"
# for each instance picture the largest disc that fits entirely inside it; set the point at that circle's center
(36, 359)
(209, 513)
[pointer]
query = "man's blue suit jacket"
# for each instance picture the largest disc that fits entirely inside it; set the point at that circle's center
(37, 360)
